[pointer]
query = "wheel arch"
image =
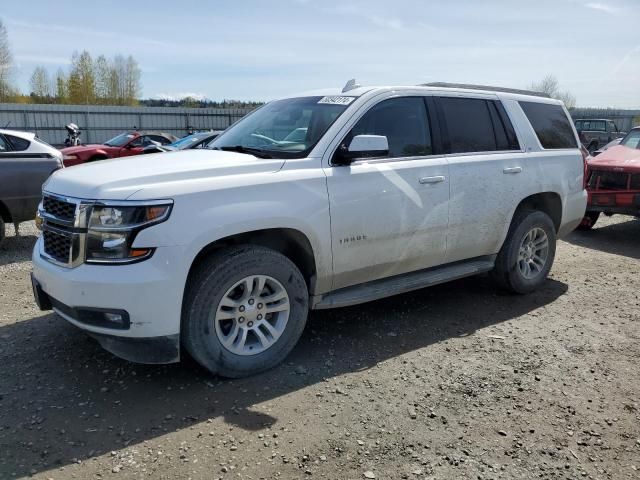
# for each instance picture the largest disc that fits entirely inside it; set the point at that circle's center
(291, 242)
(547, 202)
(5, 214)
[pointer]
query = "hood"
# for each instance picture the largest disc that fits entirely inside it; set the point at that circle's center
(618, 157)
(82, 148)
(162, 174)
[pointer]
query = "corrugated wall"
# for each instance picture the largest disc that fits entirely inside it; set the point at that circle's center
(100, 123)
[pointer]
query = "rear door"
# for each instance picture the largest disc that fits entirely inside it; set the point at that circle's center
(389, 215)
(486, 168)
(23, 169)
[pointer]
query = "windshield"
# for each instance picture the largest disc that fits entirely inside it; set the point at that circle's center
(120, 140)
(632, 140)
(287, 128)
(186, 141)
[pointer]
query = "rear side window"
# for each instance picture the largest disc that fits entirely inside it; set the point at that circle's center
(550, 124)
(403, 121)
(18, 144)
(477, 125)
(4, 145)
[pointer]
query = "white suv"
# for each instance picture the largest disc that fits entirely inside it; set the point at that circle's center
(378, 191)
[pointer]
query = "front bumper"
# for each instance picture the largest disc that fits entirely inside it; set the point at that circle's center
(149, 293)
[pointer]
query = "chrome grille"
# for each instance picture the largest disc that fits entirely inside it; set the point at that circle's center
(57, 246)
(63, 230)
(59, 208)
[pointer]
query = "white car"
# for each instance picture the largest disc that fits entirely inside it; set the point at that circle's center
(391, 189)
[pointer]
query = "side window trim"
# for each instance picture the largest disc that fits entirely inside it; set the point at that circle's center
(430, 118)
(507, 126)
(6, 143)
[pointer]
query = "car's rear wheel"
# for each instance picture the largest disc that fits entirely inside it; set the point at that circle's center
(245, 309)
(525, 259)
(1, 229)
(589, 220)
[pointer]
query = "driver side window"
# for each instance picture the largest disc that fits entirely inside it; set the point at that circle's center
(403, 121)
(137, 142)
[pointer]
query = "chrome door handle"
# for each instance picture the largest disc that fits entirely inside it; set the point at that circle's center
(436, 179)
(512, 170)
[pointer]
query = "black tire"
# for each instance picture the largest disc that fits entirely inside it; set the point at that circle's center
(210, 282)
(589, 220)
(2, 231)
(506, 272)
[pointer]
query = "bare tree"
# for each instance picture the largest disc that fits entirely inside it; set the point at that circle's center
(6, 62)
(551, 87)
(40, 84)
(131, 81)
(101, 69)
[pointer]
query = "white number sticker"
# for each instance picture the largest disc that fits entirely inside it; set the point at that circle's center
(337, 100)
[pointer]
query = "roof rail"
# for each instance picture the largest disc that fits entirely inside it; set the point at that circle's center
(484, 87)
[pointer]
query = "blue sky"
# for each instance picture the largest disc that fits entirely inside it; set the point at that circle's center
(260, 50)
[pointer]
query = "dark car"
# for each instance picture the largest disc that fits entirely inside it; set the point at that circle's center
(597, 132)
(123, 145)
(195, 140)
(25, 164)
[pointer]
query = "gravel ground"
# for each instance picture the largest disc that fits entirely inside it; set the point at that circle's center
(457, 381)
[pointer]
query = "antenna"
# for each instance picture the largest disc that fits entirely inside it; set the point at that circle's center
(350, 85)
(8, 123)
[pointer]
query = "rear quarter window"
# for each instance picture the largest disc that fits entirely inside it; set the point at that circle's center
(551, 125)
(18, 144)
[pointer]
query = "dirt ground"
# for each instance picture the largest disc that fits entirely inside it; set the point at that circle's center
(457, 381)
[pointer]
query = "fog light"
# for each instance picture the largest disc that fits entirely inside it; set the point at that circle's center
(113, 317)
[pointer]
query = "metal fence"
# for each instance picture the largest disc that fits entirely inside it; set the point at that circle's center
(99, 123)
(625, 120)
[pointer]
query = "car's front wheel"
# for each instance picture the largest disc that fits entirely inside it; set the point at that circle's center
(245, 309)
(525, 259)
(1, 229)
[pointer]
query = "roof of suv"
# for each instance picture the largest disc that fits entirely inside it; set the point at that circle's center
(513, 94)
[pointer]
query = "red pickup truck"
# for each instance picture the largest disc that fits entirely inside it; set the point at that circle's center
(124, 145)
(614, 181)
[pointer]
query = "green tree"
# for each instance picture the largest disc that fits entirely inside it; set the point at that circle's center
(82, 80)
(61, 87)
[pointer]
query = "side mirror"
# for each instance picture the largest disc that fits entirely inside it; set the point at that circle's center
(363, 146)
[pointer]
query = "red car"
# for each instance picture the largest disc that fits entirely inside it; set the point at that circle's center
(124, 145)
(614, 181)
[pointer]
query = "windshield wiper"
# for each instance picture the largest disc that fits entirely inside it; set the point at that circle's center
(256, 152)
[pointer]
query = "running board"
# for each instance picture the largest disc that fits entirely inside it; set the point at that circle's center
(407, 282)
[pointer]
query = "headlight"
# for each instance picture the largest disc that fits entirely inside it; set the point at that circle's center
(112, 230)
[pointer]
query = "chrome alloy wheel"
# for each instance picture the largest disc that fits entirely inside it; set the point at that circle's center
(252, 315)
(533, 253)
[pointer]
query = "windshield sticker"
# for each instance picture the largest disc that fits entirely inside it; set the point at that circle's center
(337, 100)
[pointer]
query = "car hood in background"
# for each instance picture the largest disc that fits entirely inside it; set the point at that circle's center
(82, 148)
(156, 175)
(618, 157)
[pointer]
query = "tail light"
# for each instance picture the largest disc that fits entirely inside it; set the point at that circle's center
(585, 159)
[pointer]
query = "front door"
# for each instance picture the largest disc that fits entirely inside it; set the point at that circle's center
(389, 215)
